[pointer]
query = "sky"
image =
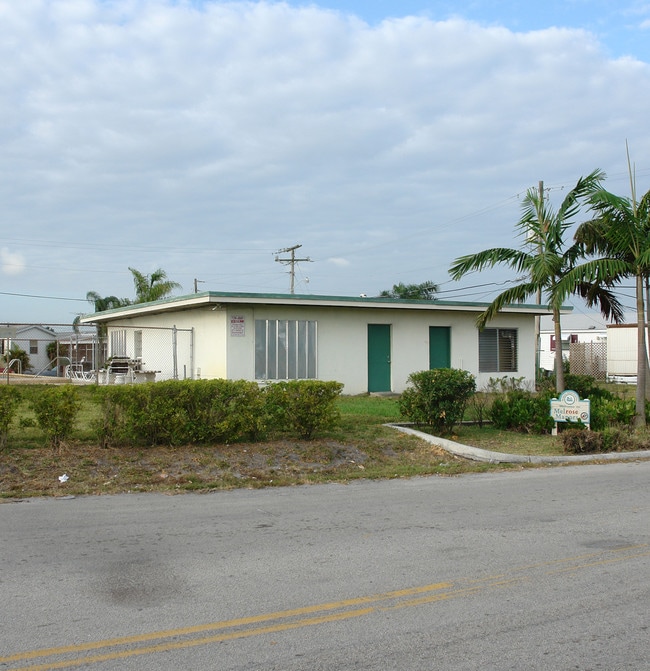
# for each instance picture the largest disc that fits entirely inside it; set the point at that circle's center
(385, 138)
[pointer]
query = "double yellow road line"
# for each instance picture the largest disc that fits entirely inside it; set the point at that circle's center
(272, 623)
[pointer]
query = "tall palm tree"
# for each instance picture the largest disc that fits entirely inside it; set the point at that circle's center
(620, 233)
(152, 287)
(544, 260)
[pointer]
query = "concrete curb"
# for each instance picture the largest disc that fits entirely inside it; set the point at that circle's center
(477, 454)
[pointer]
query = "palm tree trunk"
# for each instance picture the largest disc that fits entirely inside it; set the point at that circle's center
(559, 362)
(641, 366)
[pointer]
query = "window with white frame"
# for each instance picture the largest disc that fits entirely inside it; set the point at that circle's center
(497, 350)
(33, 346)
(285, 349)
(118, 342)
(137, 344)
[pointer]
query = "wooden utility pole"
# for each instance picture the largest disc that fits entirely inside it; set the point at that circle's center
(538, 343)
(291, 261)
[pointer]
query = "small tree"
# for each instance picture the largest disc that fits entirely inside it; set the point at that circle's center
(437, 398)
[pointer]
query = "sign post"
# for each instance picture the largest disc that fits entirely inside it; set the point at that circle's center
(569, 408)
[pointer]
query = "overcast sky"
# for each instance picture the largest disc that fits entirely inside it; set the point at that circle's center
(387, 138)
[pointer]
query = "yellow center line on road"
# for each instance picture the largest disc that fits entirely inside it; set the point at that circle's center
(336, 611)
(215, 626)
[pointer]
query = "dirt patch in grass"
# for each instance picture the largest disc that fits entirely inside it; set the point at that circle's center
(27, 472)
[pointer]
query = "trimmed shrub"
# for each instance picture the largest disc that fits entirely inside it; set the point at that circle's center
(304, 407)
(177, 412)
(9, 400)
(437, 398)
(581, 441)
(56, 409)
(617, 439)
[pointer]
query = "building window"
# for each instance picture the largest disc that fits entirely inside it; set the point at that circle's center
(285, 349)
(118, 343)
(497, 351)
(137, 344)
(33, 346)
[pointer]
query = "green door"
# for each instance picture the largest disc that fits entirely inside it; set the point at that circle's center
(439, 347)
(379, 357)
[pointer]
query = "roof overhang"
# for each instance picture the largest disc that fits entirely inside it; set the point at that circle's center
(217, 299)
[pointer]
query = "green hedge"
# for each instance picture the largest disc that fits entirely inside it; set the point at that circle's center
(213, 411)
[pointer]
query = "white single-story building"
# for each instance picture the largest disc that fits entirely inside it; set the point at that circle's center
(368, 344)
(31, 338)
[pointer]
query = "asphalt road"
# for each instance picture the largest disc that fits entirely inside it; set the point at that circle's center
(538, 569)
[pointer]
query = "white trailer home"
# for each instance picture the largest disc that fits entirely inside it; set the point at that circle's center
(622, 352)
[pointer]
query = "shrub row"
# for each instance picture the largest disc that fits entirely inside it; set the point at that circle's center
(181, 412)
(612, 439)
(204, 411)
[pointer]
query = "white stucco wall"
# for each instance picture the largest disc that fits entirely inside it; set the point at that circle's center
(343, 342)
(224, 340)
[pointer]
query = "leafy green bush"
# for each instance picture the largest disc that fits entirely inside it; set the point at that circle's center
(611, 411)
(9, 400)
(586, 387)
(437, 398)
(178, 412)
(522, 411)
(303, 406)
(56, 409)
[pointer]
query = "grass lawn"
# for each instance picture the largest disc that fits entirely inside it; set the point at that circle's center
(360, 447)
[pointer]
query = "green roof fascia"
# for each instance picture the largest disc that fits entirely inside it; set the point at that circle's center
(352, 300)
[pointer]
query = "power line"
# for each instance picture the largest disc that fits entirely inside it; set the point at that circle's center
(49, 298)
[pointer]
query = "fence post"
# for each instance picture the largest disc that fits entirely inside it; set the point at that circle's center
(174, 353)
(192, 353)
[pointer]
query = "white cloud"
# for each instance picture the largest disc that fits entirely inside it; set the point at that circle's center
(203, 137)
(12, 263)
(343, 263)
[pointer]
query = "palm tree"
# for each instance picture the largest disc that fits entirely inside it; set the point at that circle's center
(620, 233)
(423, 291)
(152, 287)
(102, 303)
(544, 261)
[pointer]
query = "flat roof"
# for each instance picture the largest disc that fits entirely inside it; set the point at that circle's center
(190, 301)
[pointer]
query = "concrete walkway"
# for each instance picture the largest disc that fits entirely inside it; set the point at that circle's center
(477, 454)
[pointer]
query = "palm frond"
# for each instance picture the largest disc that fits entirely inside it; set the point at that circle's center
(517, 259)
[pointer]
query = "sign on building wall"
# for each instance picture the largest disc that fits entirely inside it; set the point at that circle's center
(569, 408)
(237, 326)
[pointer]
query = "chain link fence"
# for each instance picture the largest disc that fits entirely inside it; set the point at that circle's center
(93, 354)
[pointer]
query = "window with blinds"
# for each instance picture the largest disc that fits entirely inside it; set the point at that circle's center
(497, 351)
(118, 342)
(285, 349)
